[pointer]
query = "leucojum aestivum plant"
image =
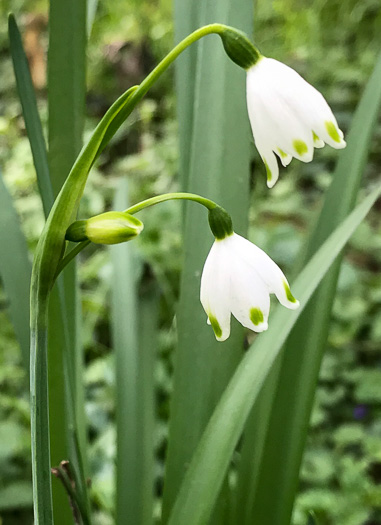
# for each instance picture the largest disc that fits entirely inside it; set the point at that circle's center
(289, 118)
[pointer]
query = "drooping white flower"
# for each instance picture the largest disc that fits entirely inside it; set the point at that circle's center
(237, 279)
(288, 116)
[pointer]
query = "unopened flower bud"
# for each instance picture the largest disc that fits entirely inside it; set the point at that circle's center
(112, 227)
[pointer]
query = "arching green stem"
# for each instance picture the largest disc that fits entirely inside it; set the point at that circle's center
(210, 205)
(169, 197)
(49, 262)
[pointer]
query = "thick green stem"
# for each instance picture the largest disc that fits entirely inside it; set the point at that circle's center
(42, 490)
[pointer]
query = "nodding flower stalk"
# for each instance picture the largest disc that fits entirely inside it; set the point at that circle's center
(49, 256)
(238, 277)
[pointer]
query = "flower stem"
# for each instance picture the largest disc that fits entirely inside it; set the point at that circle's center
(171, 196)
(48, 264)
(209, 204)
(70, 256)
(172, 55)
(42, 497)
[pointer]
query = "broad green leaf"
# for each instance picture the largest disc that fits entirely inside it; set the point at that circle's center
(15, 270)
(279, 423)
(187, 17)
(133, 330)
(209, 464)
(66, 81)
(216, 144)
(66, 104)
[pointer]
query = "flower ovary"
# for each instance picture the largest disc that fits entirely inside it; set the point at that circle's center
(239, 48)
(220, 223)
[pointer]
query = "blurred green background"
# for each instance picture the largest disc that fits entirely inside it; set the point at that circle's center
(334, 46)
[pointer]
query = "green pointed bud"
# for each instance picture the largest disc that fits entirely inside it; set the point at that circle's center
(112, 227)
(239, 48)
(220, 223)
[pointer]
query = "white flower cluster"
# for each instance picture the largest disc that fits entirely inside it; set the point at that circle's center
(289, 118)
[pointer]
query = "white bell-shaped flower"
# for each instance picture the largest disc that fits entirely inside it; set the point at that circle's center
(288, 116)
(237, 279)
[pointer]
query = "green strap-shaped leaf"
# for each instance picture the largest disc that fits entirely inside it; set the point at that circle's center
(15, 270)
(187, 17)
(218, 146)
(206, 471)
(133, 331)
(278, 426)
(30, 114)
(66, 104)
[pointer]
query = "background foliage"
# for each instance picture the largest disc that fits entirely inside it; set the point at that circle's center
(334, 45)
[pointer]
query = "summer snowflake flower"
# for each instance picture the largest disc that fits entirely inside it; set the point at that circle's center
(288, 116)
(237, 279)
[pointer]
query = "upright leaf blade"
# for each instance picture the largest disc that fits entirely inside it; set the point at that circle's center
(30, 113)
(67, 81)
(279, 434)
(133, 328)
(219, 152)
(66, 102)
(15, 269)
(187, 17)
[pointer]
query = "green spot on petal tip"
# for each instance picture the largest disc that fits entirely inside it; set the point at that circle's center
(315, 137)
(216, 326)
(282, 153)
(289, 295)
(332, 131)
(256, 316)
(268, 171)
(300, 147)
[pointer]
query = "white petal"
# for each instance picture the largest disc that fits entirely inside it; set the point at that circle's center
(273, 119)
(250, 299)
(312, 108)
(215, 290)
(285, 158)
(267, 269)
(291, 108)
(318, 143)
(329, 131)
(271, 164)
